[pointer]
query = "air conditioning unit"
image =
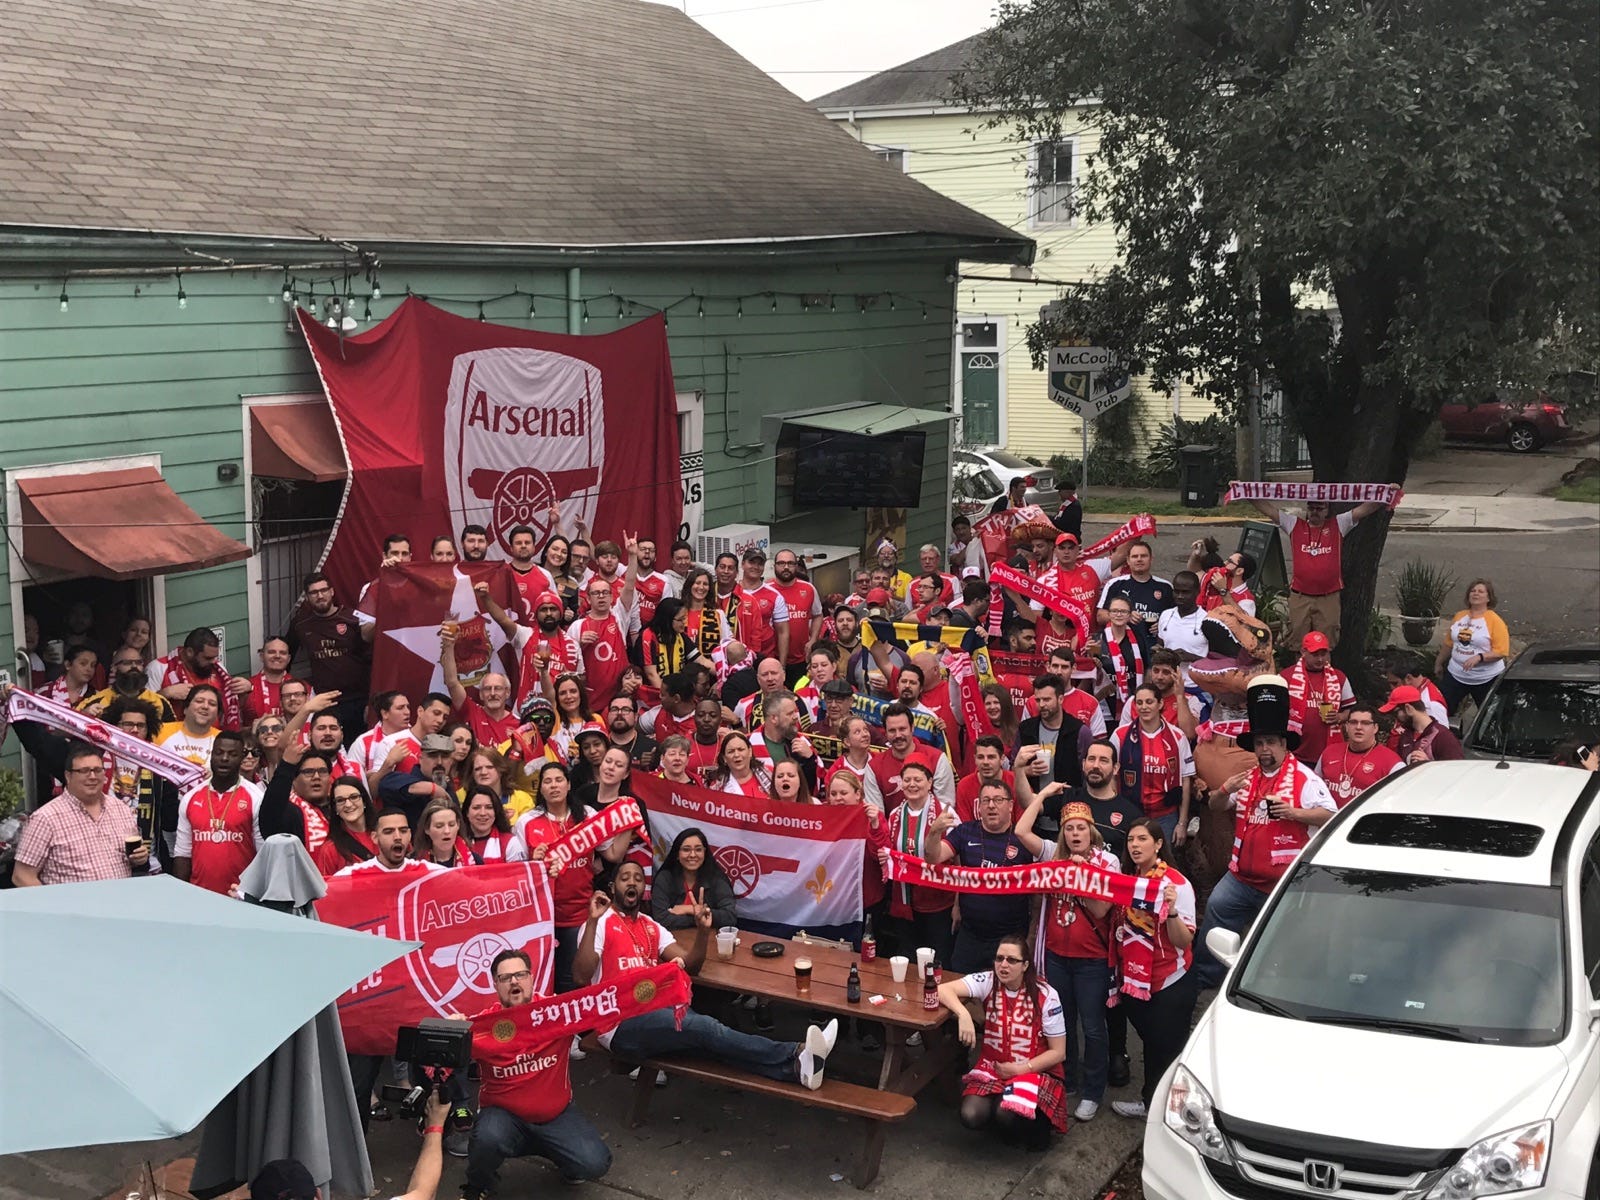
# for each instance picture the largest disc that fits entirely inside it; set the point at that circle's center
(731, 539)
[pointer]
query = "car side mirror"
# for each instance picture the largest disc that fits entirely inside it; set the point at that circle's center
(1224, 943)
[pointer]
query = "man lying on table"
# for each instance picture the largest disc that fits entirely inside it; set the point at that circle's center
(618, 937)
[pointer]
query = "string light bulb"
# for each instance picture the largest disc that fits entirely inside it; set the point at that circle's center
(377, 292)
(183, 300)
(891, 301)
(699, 308)
(585, 312)
(618, 299)
(480, 310)
(288, 292)
(774, 301)
(63, 295)
(831, 306)
(738, 313)
(533, 308)
(366, 313)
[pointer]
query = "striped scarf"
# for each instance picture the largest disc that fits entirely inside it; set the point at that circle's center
(1127, 664)
(910, 835)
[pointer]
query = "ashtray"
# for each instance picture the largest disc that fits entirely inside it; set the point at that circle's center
(767, 949)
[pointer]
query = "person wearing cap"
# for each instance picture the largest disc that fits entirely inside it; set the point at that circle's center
(1422, 738)
(837, 708)
(1316, 557)
(289, 1179)
(428, 779)
(762, 612)
(888, 558)
(1076, 578)
(1277, 805)
(1069, 517)
(589, 745)
(1320, 694)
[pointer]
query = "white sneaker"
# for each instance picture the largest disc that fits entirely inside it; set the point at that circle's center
(830, 1035)
(1132, 1109)
(578, 1052)
(661, 1076)
(811, 1066)
(914, 1040)
(1085, 1111)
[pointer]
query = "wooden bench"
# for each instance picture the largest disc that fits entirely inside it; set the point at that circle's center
(877, 1109)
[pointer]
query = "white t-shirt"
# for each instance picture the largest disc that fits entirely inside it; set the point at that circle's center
(1054, 1022)
(1182, 633)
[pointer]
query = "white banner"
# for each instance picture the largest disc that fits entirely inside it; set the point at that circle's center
(795, 866)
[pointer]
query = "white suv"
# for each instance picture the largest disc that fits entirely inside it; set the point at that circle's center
(1415, 1015)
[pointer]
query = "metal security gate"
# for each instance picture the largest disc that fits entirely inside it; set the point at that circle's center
(1282, 447)
(293, 521)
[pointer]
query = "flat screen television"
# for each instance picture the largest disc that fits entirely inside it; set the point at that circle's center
(855, 470)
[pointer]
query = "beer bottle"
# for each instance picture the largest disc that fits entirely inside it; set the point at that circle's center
(852, 987)
(930, 990)
(869, 944)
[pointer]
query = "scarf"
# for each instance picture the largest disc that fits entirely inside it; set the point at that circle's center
(24, 706)
(974, 716)
(1136, 944)
(503, 1037)
(910, 835)
(1132, 761)
(264, 694)
(1322, 493)
(1298, 677)
(174, 672)
(1071, 878)
(707, 631)
(1141, 526)
(672, 655)
(1127, 664)
(577, 845)
(1002, 576)
(1264, 846)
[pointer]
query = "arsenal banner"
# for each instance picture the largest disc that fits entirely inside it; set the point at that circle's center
(792, 866)
(410, 601)
(1002, 576)
(447, 421)
(463, 918)
(1072, 878)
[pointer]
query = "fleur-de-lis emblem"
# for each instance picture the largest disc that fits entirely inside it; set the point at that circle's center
(820, 885)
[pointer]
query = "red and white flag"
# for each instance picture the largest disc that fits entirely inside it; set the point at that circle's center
(410, 601)
(462, 918)
(792, 866)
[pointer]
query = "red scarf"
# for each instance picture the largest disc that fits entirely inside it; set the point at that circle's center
(1127, 664)
(174, 672)
(1136, 943)
(1264, 847)
(502, 1035)
(1132, 762)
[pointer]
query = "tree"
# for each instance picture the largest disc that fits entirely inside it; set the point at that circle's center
(1376, 205)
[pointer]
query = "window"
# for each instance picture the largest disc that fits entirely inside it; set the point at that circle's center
(1589, 915)
(979, 335)
(1052, 183)
(1456, 835)
(895, 156)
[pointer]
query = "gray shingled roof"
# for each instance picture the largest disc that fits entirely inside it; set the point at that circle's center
(924, 80)
(531, 122)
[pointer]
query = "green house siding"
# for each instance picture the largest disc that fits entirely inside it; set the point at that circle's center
(125, 371)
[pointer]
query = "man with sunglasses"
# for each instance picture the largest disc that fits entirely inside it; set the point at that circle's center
(128, 681)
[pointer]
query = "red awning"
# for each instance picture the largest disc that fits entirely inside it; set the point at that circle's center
(72, 523)
(296, 441)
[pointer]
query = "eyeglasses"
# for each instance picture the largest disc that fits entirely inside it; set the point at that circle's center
(513, 977)
(1007, 958)
(269, 728)
(349, 798)
(86, 771)
(313, 771)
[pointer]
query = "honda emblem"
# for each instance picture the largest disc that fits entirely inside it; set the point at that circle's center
(1321, 1176)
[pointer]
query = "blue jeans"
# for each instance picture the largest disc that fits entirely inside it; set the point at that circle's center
(655, 1033)
(1083, 985)
(569, 1141)
(1233, 905)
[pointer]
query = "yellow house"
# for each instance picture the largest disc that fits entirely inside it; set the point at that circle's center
(904, 115)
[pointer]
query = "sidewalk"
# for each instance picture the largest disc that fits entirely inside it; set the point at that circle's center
(1424, 510)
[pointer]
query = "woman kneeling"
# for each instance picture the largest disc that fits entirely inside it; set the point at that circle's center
(1017, 1085)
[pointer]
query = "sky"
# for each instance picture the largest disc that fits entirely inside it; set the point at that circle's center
(814, 46)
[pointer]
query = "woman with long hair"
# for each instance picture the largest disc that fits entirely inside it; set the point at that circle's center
(557, 562)
(1077, 941)
(556, 814)
(1002, 713)
(136, 636)
(1157, 764)
(487, 768)
(845, 787)
(613, 778)
(1153, 959)
(352, 817)
(737, 768)
(666, 646)
(706, 625)
(77, 680)
(486, 834)
(464, 742)
(1016, 1086)
(689, 873)
(789, 784)
(437, 837)
(269, 745)
(572, 712)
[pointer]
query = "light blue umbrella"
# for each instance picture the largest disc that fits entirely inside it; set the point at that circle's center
(130, 1007)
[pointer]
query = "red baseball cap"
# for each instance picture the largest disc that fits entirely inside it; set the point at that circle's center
(1402, 695)
(1066, 537)
(547, 598)
(589, 727)
(877, 596)
(1314, 641)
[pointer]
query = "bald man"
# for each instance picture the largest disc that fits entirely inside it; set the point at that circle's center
(490, 715)
(770, 680)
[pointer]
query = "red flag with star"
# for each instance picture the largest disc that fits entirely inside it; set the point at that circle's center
(414, 599)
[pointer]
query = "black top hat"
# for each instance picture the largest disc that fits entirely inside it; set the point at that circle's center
(1267, 700)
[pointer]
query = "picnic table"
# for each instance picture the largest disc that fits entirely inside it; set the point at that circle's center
(900, 1077)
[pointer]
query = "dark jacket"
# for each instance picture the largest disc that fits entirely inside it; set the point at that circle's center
(393, 793)
(666, 890)
(1074, 738)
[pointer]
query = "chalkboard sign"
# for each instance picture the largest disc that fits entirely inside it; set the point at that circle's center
(1262, 541)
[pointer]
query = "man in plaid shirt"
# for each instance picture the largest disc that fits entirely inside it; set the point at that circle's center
(81, 834)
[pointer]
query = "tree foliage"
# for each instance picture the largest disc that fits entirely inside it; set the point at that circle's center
(1377, 205)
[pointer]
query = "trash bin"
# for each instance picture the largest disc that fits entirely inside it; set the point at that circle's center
(1197, 476)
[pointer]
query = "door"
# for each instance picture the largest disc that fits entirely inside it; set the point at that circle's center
(981, 371)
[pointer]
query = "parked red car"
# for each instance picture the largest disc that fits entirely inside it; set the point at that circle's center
(1499, 418)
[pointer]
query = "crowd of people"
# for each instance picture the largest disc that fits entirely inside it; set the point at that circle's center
(721, 676)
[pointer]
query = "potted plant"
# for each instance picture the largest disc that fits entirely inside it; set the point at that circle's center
(1421, 589)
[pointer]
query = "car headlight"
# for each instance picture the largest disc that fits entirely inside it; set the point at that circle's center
(1499, 1165)
(1191, 1115)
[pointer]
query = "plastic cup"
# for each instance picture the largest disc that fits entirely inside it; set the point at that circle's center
(727, 939)
(897, 967)
(802, 976)
(925, 956)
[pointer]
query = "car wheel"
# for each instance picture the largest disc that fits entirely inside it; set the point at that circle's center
(1523, 438)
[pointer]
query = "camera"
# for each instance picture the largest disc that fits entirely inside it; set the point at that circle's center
(436, 1049)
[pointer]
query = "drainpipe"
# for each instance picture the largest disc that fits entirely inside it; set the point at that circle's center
(574, 300)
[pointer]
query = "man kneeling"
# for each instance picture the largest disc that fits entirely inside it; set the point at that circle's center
(523, 1112)
(618, 937)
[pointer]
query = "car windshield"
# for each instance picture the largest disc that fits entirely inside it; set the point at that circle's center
(1465, 960)
(1529, 718)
